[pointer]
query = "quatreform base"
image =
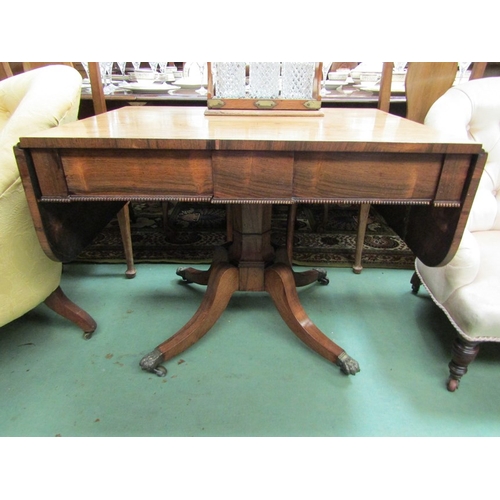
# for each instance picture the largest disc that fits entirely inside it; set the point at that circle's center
(236, 268)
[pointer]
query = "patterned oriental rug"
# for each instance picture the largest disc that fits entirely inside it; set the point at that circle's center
(199, 227)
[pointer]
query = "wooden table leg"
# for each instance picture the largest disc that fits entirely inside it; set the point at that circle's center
(192, 275)
(222, 283)
(280, 284)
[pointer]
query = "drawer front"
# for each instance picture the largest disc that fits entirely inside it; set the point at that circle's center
(361, 176)
(142, 173)
(252, 175)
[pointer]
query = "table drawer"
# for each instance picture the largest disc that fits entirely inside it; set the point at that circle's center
(363, 176)
(107, 173)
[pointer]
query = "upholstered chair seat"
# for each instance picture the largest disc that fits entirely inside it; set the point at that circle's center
(30, 102)
(468, 288)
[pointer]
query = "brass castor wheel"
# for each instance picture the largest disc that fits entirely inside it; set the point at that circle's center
(160, 371)
(151, 363)
(87, 335)
(322, 279)
(181, 271)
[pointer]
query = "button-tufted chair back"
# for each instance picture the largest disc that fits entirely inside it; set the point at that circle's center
(473, 110)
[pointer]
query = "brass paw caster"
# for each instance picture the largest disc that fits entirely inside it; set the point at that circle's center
(181, 271)
(322, 276)
(151, 363)
(347, 365)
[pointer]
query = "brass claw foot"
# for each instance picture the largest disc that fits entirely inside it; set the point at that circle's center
(322, 275)
(181, 271)
(348, 365)
(191, 275)
(151, 363)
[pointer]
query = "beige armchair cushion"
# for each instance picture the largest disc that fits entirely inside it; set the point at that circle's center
(468, 288)
(29, 102)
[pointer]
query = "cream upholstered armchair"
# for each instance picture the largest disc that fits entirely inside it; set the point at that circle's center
(31, 102)
(468, 288)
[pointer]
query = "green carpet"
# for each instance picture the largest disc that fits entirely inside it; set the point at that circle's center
(249, 377)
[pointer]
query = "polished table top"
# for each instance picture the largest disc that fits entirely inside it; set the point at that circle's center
(338, 129)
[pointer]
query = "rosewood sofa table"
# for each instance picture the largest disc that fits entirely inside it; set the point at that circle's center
(78, 176)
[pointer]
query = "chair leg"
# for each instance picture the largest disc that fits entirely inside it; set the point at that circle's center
(124, 223)
(60, 304)
(415, 283)
(463, 353)
(364, 210)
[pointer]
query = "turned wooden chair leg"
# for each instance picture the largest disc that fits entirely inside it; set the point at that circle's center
(463, 354)
(60, 304)
(124, 223)
(463, 351)
(364, 210)
(415, 283)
